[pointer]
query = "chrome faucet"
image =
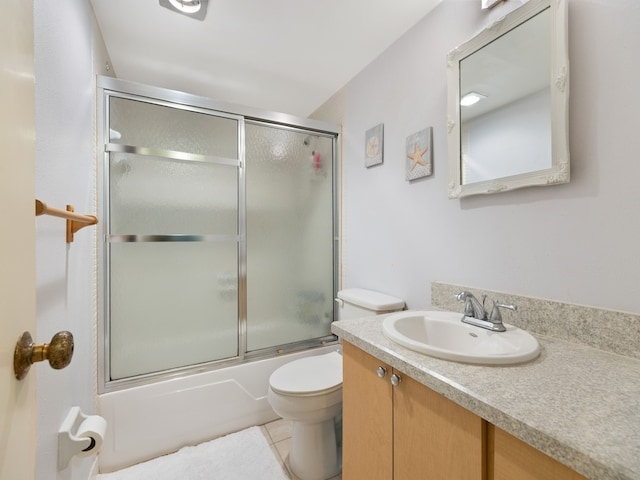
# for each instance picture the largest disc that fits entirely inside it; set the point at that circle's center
(472, 307)
(475, 314)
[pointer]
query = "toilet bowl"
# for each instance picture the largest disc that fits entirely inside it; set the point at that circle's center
(308, 391)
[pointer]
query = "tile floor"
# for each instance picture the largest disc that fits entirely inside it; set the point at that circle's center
(278, 434)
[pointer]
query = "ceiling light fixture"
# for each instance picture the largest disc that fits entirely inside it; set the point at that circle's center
(471, 98)
(192, 8)
(186, 6)
(489, 3)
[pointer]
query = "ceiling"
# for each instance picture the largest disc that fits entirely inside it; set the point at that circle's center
(285, 56)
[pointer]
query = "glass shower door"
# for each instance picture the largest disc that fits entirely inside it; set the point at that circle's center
(218, 237)
(173, 237)
(290, 258)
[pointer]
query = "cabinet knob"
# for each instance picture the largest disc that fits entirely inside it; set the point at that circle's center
(395, 379)
(58, 352)
(381, 371)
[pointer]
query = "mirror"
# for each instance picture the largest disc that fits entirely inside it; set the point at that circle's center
(508, 98)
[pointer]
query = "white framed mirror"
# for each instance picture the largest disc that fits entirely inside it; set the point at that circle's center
(508, 101)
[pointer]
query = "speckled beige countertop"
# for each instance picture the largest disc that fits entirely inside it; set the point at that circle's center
(575, 403)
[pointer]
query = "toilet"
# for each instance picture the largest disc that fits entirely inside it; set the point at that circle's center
(308, 391)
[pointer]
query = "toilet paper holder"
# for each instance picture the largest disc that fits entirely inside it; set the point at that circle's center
(80, 435)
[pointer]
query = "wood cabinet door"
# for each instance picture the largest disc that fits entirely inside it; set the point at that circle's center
(367, 430)
(434, 438)
(511, 458)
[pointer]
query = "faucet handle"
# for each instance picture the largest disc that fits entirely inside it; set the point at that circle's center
(472, 307)
(496, 316)
(465, 297)
(460, 296)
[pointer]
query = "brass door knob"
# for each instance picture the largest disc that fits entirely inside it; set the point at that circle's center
(58, 352)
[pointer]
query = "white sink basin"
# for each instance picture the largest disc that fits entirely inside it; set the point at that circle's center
(443, 335)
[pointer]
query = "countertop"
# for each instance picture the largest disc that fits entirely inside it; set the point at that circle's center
(579, 405)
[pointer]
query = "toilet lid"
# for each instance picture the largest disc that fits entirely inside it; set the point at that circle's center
(309, 375)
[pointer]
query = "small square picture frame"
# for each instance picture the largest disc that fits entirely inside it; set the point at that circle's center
(374, 146)
(419, 154)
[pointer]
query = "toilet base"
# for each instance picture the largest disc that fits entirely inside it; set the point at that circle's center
(314, 453)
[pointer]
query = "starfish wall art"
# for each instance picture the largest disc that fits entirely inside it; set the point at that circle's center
(419, 155)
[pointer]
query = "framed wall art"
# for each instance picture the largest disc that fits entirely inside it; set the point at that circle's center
(419, 157)
(374, 146)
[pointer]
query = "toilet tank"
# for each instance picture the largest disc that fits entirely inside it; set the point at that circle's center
(358, 302)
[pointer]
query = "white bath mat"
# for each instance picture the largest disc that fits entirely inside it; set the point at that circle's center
(244, 455)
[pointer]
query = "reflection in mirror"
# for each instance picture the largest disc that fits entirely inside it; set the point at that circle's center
(508, 98)
(512, 119)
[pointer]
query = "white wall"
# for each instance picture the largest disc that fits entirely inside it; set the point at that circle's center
(574, 243)
(68, 53)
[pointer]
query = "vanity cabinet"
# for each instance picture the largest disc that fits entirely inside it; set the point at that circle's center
(410, 432)
(406, 431)
(509, 458)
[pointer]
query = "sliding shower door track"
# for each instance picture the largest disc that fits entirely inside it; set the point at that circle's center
(188, 370)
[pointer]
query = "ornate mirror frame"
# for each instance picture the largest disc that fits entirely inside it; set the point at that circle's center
(559, 57)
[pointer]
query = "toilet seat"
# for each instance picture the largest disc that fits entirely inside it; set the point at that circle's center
(317, 375)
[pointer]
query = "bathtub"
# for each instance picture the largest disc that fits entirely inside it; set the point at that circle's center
(147, 421)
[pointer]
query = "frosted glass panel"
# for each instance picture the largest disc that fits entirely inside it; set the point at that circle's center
(153, 196)
(172, 305)
(289, 236)
(182, 193)
(144, 124)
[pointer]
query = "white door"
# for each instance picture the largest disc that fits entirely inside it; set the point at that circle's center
(17, 236)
